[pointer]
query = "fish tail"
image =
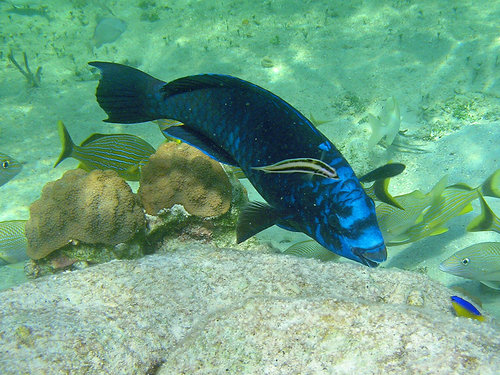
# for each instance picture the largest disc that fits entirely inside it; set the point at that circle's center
(486, 220)
(67, 143)
(126, 94)
(491, 187)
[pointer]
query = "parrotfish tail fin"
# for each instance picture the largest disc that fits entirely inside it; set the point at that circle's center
(378, 130)
(491, 187)
(255, 217)
(67, 143)
(487, 220)
(126, 94)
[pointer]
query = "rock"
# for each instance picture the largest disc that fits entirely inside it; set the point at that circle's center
(201, 310)
(181, 174)
(95, 208)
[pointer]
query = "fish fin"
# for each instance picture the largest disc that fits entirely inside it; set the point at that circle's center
(203, 81)
(492, 284)
(94, 137)
(465, 210)
(84, 166)
(378, 130)
(133, 173)
(126, 94)
(310, 249)
(486, 220)
(386, 171)
(66, 141)
(437, 190)
(254, 218)
(439, 230)
(491, 187)
(201, 142)
(381, 191)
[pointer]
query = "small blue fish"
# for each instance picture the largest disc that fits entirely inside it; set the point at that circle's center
(465, 309)
(241, 124)
(9, 167)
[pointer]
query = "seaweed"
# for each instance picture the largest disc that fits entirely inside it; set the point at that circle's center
(32, 79)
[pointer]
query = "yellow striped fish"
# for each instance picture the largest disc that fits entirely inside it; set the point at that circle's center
(487, 220)
(9, 168)
(123, 153)
(455, 200)
(13, 242)
(393, 221)
(480, 262)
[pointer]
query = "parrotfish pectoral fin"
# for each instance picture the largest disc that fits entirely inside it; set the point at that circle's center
(201, 142)
(124, 93)
(254, 218)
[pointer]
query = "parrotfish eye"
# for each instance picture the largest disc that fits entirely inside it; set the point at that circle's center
(333, 221)
(5, 164)
(465, 261)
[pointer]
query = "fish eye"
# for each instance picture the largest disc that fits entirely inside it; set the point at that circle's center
(465, 261)
(333, 221)
(5, 164)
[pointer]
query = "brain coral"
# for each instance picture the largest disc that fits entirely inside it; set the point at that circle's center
(180, 174)
(96, 208)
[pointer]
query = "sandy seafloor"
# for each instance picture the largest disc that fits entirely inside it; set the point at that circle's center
(336, 60)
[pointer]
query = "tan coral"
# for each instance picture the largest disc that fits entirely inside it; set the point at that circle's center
(180, 174)
(95, 208)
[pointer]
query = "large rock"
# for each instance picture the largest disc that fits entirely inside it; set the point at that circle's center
(212, 311)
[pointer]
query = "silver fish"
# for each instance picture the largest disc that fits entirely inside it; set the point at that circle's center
(479, 262)
(9, 167)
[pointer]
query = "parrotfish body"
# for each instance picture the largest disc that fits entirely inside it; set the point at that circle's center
(306, 182)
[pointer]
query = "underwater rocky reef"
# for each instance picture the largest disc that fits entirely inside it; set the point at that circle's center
(208, 310)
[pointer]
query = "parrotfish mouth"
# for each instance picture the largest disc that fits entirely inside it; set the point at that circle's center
(371, 257)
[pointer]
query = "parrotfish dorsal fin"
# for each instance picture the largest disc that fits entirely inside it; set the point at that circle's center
(205, 81)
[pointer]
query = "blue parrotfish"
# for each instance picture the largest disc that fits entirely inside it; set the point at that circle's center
(241, 124)
(9, 168)
(123, 153)
(465, 309)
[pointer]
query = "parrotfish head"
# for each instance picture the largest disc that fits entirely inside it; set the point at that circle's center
(350, 227)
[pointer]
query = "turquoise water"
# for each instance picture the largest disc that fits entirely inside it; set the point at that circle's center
(335, 61)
